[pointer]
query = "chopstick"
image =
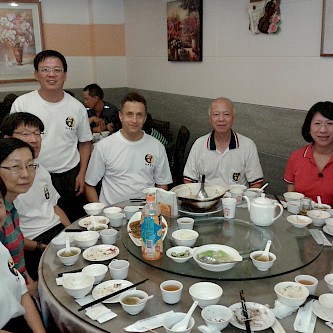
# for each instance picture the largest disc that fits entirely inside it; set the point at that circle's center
(277, 199)
(245, 314)
(110, 295)
(73, 271)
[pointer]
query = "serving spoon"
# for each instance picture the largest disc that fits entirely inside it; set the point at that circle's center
(182, 325)
(202, 194)
(264, 256)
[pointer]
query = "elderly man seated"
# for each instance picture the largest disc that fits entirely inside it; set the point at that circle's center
(129, 160)
(224, 156)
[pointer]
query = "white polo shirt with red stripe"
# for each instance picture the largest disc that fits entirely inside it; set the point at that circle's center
(239, 163)
(303, 173)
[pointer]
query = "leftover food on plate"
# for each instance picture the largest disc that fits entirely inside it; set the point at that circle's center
(100, 252)
(109, 287)
(87, 221)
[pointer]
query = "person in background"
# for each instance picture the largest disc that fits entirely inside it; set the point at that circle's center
(148, 127)
(129, 160)
(67, 142)
(6, 105)
(41, 219)
(224, 156)
(103, 116)
(18, 312)
(17, 170)
(310, 169)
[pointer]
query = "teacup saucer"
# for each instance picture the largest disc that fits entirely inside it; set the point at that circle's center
(318, 311)
(327, 231)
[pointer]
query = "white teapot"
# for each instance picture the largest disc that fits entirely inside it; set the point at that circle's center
(262, 210)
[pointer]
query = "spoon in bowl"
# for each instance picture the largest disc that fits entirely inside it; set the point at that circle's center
(141, 300)
(68, 247)
(264, 256)
(319, 202)
(202, 194)
(182, 325)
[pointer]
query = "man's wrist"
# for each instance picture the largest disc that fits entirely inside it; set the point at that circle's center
(39, 246)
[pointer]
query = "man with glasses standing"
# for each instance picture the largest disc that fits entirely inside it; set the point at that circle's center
(41, 219)
(66, 145)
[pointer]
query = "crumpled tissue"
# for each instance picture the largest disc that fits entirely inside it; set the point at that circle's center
(281, 310)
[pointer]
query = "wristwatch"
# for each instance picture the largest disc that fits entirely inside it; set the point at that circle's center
(39, 246)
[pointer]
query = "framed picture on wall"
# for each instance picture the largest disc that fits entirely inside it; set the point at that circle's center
(20, 39)
(184, 26)
(326, 48)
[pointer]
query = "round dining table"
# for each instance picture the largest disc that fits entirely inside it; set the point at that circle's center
(296, 251)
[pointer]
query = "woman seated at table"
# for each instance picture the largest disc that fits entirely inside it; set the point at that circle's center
(17, 170)
(310, 169)
(18, 312)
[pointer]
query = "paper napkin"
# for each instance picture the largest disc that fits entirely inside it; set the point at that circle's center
(281, 310)
(305, 320)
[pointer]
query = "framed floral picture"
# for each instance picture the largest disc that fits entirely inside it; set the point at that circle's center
(326, 48)
(20, 39)
(184, 26)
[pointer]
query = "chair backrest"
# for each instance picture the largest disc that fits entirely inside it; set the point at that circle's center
(178, 162)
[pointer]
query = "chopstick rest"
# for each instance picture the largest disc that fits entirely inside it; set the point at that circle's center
(110, 295)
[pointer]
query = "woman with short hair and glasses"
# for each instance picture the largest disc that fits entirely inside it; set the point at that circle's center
(18, 313)
(310, 169)
(17, 170)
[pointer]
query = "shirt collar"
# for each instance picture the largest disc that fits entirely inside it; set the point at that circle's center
(233, 144)
(9, 206)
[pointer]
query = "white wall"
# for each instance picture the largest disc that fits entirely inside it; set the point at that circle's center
(282, 70)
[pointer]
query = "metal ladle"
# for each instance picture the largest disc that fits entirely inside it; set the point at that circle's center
(202, 194)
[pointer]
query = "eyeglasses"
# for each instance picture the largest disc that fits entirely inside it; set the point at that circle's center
(27, 134)
(19, 168)
(48, 70)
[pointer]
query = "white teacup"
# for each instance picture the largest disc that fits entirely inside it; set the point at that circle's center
(185, 223)
(309, 281)
(130, 211)
(326, 302)
(229, 207)
(116, 219)
(109, 236)
(237, 193)
(171, 291)
(119, 269)
(294, 207)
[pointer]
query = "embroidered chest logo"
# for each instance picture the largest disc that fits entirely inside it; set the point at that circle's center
(11, 266)
(70, 122)
(46, 192)
(149, 158)
(236, 176)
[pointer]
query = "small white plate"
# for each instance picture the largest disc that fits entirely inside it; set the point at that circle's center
(327, 231)
(109, 287)
(317, 310)
(264, 320)
(137, 217)
(87, 221)
(100, 252)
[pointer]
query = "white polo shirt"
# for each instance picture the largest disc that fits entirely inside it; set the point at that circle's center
(239, 163)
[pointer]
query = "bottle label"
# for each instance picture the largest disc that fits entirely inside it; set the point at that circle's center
(151, 235)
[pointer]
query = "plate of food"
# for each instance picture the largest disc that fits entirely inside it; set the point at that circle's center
(260, 316)
(134, 228)
(100, 252)
(89, 220)
(109, 287)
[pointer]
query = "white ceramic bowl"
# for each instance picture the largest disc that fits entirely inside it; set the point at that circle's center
(262, 265)
(329, 281)
(173, 318)
(318, 217)
(71, 260)
(299, 221)
(206, 293)
(217, 316)
(98, 271)
(291, 293)
(78, 285)
(185, 237)
(237, 186)
(94, 208)
(130, 211)
(186, 194)
(228, 252)
(86, 239)
(185, 223)
(315, 205)
(180, 254)
(293, 196)
(133, 309)
(329, 224)
(60, 241)
(326, 302)
(111, 210)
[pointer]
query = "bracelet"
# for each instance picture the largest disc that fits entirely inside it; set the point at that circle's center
(39, 246)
